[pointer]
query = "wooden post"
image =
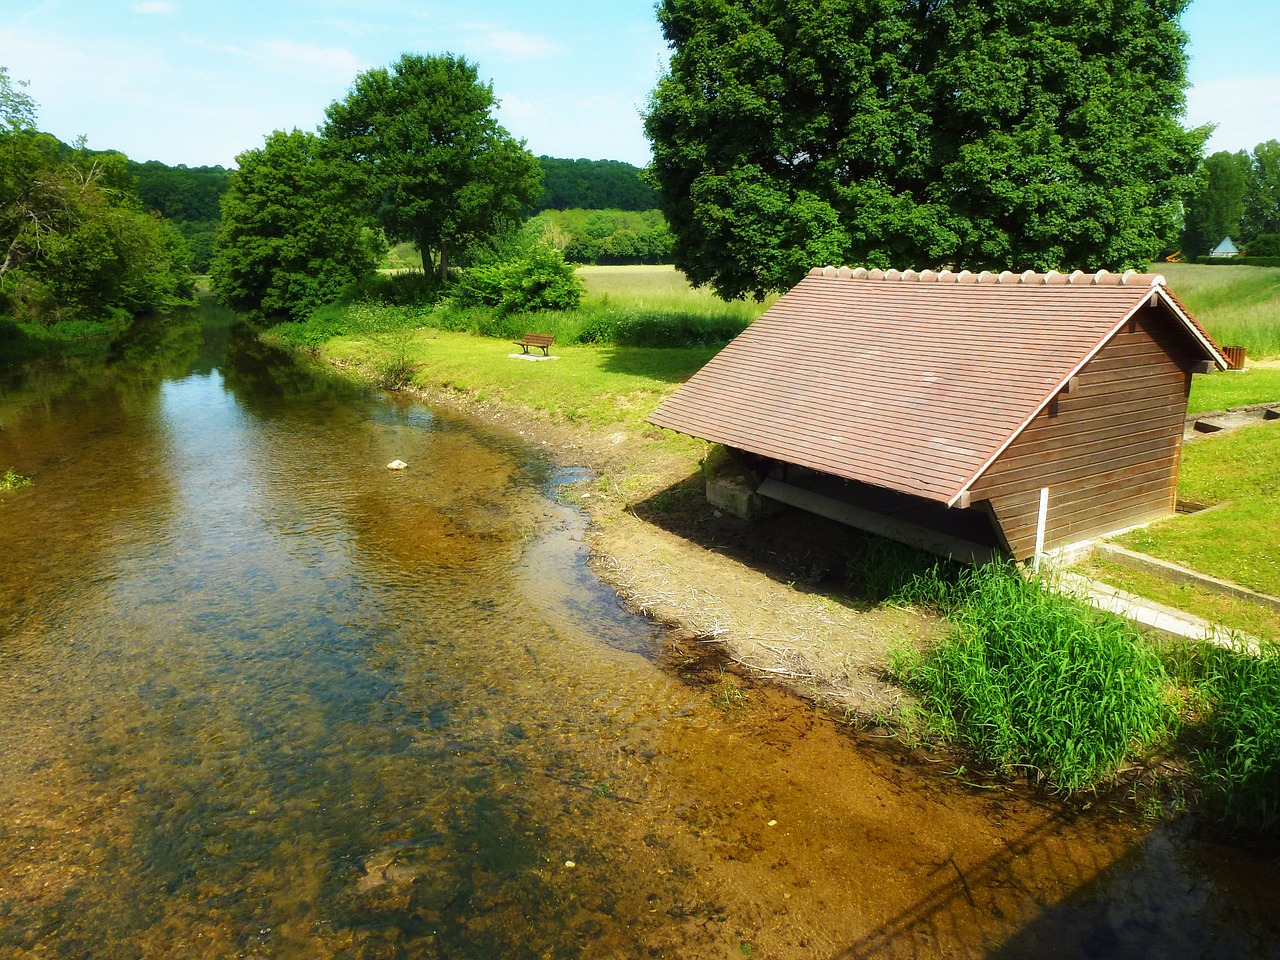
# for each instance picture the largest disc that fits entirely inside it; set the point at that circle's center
(1040, 524)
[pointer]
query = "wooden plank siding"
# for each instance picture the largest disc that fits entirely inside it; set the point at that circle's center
(1108, 451)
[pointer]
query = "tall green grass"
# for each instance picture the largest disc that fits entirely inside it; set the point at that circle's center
(1037, 682)
(1237, 304)
(1239, 763)
(624, 306)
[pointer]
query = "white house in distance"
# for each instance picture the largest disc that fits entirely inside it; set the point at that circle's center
(1226, 248)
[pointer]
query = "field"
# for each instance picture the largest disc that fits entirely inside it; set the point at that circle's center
(1236, 304)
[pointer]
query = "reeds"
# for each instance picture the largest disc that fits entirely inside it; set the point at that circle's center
(1239, 761)
(1039, 683)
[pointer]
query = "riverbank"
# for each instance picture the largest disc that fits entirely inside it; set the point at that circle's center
(768, 593)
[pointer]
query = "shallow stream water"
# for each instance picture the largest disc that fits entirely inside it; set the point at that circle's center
(261, 697)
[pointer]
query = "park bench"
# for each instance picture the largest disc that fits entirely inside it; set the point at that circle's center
(542, 340)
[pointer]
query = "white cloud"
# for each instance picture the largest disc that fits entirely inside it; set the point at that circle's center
(155, 6)
(510, 43)
(1245, 109)
(290, 56)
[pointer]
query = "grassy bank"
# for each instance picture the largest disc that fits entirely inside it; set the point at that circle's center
(1043, 686)
(1240, 472)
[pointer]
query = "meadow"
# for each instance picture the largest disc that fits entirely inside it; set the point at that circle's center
(1236, 304)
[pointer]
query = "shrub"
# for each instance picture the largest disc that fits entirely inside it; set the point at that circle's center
(536, 279)
(1265, 245)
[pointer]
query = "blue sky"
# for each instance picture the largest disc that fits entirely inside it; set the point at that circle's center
(199, 82)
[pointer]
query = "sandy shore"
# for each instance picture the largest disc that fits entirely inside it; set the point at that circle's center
(768, 593)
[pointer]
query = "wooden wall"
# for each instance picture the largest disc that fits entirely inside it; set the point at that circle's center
(1108, 451)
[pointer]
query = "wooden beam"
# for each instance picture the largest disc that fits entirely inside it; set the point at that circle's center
(934, 541)
(740, 461)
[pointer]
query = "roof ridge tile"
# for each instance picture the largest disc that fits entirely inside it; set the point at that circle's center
(1102, 278)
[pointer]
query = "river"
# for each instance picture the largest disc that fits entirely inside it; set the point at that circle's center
(262, 697)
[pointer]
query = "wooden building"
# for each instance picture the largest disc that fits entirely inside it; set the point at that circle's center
(970, 414)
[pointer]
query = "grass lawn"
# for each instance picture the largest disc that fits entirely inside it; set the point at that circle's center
(1239, 541)
(601, 386)
(661, 288)
(1235, 388)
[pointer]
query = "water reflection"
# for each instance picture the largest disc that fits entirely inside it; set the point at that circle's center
(262, 697)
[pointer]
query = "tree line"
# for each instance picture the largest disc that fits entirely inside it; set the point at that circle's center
(1235, 195)
(76, 242)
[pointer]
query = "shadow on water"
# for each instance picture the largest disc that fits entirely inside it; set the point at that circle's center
(262, 697)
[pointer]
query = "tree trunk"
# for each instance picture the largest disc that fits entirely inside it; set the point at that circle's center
(444, 262)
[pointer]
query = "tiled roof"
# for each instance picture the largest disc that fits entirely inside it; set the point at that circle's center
(911, 381)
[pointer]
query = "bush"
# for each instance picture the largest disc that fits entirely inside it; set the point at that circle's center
(1035, 681)
(1265, 245)
(537, 278)
(407, 289)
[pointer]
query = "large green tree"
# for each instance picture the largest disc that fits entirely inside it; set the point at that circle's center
(438, 168)
(922, 133)
(1215, 206)
(1262, 202)
(289, 240)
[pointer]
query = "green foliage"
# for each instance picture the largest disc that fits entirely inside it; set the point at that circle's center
(436, 167)
(289, 240)
(408, 288)
(1266, 245)
(1239, 763)
(593, 185)
(523, 281)
(1038, 682)
(1215, 206)
(799, 133)
(1262, 204)
(13, 481)
(74, 241)
(887, 571)
(182, 194)
(607, 236)
(17, 108)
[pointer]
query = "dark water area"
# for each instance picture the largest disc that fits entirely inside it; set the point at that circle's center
(262, 697)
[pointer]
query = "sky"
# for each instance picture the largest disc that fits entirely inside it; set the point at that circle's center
(197, 83)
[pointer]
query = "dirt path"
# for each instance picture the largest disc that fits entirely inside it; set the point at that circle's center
(769, 593)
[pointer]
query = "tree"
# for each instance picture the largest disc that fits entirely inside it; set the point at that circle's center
(594, 185)
(74, 241)
(1262, 203)
(438, 169)
(289, 240)
(1216, 203)
(918, 133)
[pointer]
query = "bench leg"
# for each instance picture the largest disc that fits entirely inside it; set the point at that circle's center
(524, 348)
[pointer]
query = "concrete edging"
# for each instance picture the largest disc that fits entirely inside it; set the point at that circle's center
(1176, 574)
